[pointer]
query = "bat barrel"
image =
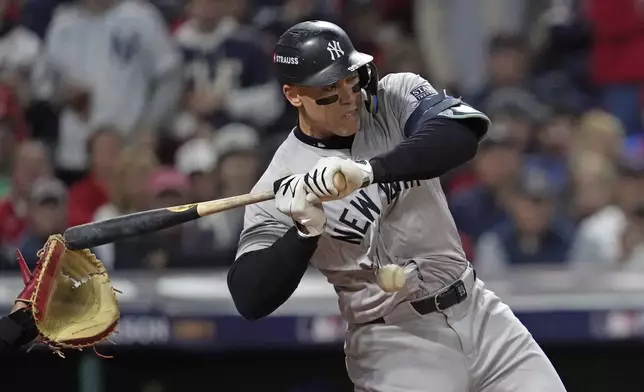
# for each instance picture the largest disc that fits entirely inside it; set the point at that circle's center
(104, 232)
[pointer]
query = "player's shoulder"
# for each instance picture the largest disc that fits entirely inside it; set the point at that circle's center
(279, 165)
(408, 82)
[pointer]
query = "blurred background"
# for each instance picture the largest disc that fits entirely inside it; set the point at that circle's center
(109, 107)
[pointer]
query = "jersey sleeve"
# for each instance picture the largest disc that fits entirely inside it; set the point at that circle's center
(263, 224)
(411, 99)
(260, 230)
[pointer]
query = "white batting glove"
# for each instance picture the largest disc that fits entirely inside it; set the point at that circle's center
(305, 208)
(319, 180)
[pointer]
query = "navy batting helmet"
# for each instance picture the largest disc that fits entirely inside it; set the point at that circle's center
(318, 53)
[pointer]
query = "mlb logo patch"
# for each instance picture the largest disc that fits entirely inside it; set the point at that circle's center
(422, 92)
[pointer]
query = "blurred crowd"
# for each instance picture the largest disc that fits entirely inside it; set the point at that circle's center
(109, 107)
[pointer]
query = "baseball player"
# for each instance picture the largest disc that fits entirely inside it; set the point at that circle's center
(419, 319)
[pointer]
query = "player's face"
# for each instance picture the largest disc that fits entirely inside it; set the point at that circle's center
(333, 109)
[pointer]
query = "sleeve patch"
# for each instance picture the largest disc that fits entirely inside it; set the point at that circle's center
(422, 92)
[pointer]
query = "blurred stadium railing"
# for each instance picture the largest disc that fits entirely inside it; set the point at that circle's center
(179, 325)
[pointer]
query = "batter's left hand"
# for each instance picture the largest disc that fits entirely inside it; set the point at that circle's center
(319, 180)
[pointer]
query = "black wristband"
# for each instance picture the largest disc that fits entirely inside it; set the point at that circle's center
(10, 330)
(29, 331)
(380, 174)
(17, 329)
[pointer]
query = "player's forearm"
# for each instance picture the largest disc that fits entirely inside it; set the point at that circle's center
(438, 146)
(261, 281)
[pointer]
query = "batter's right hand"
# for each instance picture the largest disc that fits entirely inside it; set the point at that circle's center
(293, 199)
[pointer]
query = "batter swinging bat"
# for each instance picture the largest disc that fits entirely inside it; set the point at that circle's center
(103, 232)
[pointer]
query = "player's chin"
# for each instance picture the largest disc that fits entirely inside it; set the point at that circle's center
(348, 126)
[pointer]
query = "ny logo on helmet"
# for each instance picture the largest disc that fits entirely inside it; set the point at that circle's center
(335, 50)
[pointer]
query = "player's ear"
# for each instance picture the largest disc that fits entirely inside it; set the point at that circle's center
(290, 92)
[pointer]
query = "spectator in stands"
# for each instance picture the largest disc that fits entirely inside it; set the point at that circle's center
(90, 193)
(239, 159)
(401, 55)
(560, 67)
(507, 67)
(182, 246)
(599, 132)
(198, 246)
(613, 237)
(533, 234)
(172, 12)
(228, 75)
(166, 187)
(592, 179)
(127, 191)
(273, 20)
(618, 58)
(107, 62)
(453, 36)
(47, 215)
(7, 146)
(366, 25)
(30, 162)
(554, 143)
(518, 110)
(496, 165)
(236, 169)
(19, 49)
(239, 171)
(36, 15)
(12, 114)
(197, 159)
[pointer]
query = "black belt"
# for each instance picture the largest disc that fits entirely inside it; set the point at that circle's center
(454, 294)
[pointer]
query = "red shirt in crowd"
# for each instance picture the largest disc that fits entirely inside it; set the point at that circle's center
(85, 197)
(618, 35)
(13, 222)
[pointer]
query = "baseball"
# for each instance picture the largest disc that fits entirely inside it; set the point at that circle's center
(391, 278)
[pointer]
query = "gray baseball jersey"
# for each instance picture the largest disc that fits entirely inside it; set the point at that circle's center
(406, 223)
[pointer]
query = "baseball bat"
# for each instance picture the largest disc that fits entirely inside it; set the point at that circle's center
(106, 231)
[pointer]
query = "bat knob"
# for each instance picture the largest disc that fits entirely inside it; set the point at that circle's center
(339, 182)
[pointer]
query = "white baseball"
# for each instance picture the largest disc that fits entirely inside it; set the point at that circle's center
(391, 278)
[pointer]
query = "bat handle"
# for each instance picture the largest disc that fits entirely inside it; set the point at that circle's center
(339, 181)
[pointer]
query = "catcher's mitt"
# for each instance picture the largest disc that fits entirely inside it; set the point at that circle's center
(72, 299)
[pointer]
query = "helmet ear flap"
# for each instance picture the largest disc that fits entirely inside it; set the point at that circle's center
(368, 75)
